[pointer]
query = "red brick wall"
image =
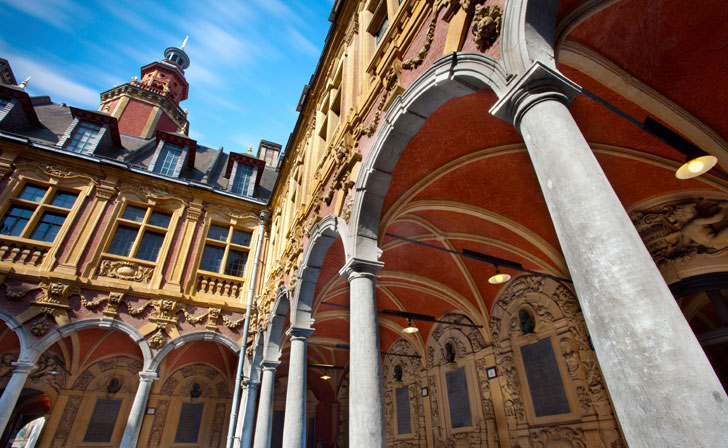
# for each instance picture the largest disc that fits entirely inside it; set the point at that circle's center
(166, 124)
(134, 117)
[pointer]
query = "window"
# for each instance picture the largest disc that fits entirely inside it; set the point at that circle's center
(169, 159)
(379, 22)
(380, 31)
(84, 138)
(226, 250)
(4, 102)
(243, 179)
(140, 233)
(37, 213)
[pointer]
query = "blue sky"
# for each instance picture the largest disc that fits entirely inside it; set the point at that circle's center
(249, 58)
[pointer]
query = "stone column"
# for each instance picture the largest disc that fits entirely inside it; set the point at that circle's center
(264, 423)
(12, 391)
(294, 426)
(251, 399)
(138, 410)
(663, 388)
(366, 406)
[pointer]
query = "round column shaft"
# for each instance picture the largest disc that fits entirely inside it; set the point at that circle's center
(264, 423)
(138, 409)
(248, 413)
(12, 391)
(294, 426)
(663, 388)
(366, 412)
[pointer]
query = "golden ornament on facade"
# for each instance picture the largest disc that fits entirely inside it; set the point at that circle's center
(486, 25)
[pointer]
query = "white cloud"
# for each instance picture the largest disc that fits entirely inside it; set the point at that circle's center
(46, 80)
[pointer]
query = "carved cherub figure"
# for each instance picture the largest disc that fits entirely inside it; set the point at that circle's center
(700, 229)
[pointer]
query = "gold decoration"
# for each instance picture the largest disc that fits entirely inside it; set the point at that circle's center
(195, 319)
(416, 61)
(212, 317)
(41, 328)
(233, 323)
(125, 270)
(486, 25)
(17, 294)
(157, 341)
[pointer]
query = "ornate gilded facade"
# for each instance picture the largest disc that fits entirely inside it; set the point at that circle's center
(440, 145)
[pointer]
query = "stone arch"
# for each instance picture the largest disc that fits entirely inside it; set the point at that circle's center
(323, 235)
(189, 337)
(276, 321)
(17, 328)
(529, 34)
(59, 333)
(453, 75)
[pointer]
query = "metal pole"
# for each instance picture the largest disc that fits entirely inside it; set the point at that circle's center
(246, 325)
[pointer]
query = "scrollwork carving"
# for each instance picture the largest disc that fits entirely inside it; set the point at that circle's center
(125, 270)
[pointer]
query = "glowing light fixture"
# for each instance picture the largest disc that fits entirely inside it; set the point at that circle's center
(326, 376)
(410, 328)
(695, 167)
(498, 278)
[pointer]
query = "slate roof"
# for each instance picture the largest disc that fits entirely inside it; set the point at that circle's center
(209, 163)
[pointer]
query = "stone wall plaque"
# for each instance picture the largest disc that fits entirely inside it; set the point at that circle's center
(188, 427)
(103, 419)
(403, 410)
(544, 379)
(457, 398)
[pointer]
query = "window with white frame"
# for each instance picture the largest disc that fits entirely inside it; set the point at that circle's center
(140, 233)
(84, 137)
(243, 179)
(37, 212)
(169, 160)
(226, 250)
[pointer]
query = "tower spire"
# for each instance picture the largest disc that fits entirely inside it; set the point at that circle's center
(182, 47)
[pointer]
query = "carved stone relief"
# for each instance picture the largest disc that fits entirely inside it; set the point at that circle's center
(557, 317)
(678, 232)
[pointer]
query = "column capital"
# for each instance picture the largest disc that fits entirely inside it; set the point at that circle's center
(148, 376)
(539, 83)
(296, 333)
(22, 366)
(270, 365)
(357, 267)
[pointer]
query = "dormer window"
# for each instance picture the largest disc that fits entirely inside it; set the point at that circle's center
(243, 173)
(170, 158)
(6, 105)
(84, 137)
(243, 179)
(90, 132)
(173, 151)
